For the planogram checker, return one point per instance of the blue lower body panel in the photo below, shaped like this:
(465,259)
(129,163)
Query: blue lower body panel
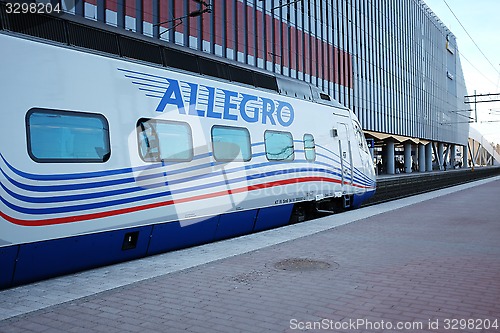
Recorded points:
(358,199)
(46,259)
(273,217)
(235,224)
(176,235)
(8,257)
(27,263)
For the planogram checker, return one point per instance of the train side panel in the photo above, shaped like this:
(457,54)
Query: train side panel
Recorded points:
(127,201)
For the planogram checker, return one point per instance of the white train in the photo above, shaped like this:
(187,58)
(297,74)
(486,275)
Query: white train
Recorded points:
(105,159)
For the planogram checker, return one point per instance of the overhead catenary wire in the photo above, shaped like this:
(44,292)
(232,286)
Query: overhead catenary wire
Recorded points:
(472,39)
(472,65)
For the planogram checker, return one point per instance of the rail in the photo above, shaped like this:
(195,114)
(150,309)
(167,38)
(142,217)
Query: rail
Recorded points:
(396,187)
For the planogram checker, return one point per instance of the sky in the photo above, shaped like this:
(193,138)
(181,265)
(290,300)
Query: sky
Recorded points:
(481,21)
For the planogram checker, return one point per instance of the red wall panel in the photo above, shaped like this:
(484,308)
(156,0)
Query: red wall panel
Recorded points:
(331,63)
(300,51)
(217,12)
(307,53)
(341,67)
(130,8)
(336,65)
(287,49)
(110,4)
(277,41)
(193,21)
(230,25)
(178,12)
(314,60)
(250,31)
(205,31)
(349,77)
(325,64)
(269,39)
(260,35)
(241,28)
(164,15)
(147,9)
(293,48)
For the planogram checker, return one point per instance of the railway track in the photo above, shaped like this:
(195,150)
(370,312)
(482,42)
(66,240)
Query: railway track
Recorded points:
(400,186)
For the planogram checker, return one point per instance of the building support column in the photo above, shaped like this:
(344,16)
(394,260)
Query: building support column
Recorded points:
(390,157)
(440,155)
(421,157)
(465,156)
(453,156)
(428,157)
(408,160)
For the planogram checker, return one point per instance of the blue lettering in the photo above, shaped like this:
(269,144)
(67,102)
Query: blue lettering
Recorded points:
(211,102)
(243,111)
(228,105)
(267,110)
(172,96)
(192,101)
(287,107)
(251,108)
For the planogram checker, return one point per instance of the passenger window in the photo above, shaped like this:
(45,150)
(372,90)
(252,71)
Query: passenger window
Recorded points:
(279,146)
(55,136)
(309,147)
(162,140)
(231,144)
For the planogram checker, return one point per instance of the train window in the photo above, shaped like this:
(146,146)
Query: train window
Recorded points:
(56,136)
(279,146)
(162,140)
(231,144)
(309,147)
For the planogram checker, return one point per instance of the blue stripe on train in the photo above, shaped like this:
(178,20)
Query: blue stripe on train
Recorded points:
(359,175)
(110,203)
(94,195)
(162,174)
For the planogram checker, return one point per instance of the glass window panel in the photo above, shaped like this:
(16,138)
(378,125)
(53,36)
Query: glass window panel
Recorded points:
(66,136)
(279,146)
(309,147)
(231,144)
(161,140)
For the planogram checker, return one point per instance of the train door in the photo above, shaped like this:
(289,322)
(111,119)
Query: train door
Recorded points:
(345,155)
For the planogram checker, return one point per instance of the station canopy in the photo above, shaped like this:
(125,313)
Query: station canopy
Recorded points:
(396,138)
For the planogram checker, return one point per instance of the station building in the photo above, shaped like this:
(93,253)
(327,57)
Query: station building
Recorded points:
(393,62)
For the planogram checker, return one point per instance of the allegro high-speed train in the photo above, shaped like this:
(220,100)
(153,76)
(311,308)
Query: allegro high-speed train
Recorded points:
(105,159)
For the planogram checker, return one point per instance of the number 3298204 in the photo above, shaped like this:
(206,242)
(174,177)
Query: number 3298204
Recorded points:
(32,8)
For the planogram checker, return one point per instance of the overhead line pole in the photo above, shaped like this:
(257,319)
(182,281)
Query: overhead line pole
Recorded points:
(480,101)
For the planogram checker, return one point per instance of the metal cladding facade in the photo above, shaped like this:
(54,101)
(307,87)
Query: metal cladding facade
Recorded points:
(391,61)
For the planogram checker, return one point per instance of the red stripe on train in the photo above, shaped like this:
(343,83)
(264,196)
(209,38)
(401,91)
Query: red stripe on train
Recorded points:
(121,211)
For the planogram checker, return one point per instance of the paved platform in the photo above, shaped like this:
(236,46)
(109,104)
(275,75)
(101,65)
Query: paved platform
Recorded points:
(429,263)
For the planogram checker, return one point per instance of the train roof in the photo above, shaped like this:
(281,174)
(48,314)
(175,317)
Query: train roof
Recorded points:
(92,36)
